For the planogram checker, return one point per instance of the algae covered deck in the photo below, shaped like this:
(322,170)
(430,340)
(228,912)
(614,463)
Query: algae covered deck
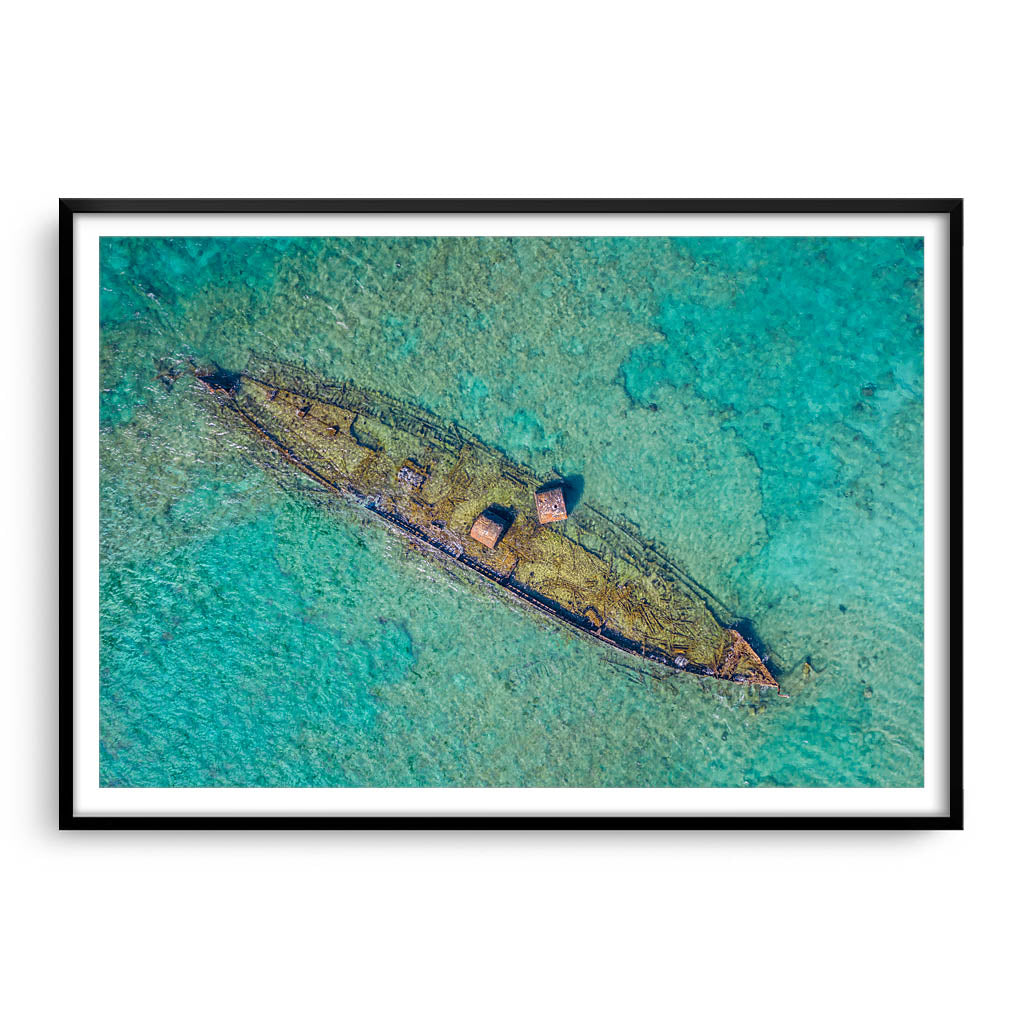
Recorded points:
(453,495)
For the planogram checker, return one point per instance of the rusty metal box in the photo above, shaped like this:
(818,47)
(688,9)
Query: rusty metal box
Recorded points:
(551,505)
(488,528)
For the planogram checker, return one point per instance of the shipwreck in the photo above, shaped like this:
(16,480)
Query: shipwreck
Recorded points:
(452,496)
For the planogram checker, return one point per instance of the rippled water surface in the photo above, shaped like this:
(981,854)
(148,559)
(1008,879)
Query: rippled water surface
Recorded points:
(754,405)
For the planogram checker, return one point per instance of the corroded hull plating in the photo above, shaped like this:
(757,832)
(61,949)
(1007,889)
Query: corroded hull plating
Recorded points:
(430,481)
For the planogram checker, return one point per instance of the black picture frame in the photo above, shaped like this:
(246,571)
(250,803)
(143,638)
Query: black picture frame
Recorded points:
(951,208)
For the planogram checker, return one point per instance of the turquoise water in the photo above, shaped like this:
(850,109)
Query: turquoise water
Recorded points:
(754,404)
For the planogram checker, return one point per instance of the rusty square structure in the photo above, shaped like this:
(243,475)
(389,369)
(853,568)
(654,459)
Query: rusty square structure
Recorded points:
(488,528)
(550,505)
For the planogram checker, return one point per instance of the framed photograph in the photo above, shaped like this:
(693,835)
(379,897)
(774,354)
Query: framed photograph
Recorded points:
(511,514)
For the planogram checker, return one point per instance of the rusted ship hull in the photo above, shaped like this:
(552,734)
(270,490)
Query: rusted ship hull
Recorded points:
(431,482)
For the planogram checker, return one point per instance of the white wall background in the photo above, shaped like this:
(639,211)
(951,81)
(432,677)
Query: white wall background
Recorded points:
(529,99)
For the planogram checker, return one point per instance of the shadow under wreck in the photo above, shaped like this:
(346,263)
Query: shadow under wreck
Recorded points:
(454,497)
